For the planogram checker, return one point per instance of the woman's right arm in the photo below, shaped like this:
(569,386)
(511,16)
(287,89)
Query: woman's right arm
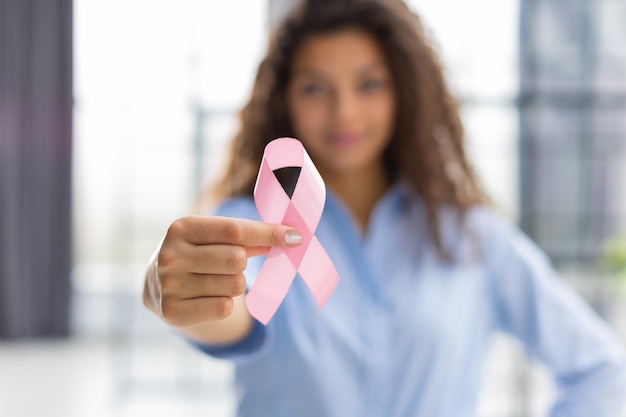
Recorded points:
(195,279)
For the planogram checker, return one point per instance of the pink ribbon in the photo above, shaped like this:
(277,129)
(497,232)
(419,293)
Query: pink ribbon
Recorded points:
(298,203)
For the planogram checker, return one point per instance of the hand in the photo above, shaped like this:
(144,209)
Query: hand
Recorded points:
(200,266)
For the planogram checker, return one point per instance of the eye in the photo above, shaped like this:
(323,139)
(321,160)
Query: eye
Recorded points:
(373,84)
(314,89)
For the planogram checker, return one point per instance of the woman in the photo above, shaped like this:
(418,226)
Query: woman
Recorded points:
(427,270)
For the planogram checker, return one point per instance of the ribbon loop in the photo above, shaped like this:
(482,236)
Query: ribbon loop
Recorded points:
(290,191)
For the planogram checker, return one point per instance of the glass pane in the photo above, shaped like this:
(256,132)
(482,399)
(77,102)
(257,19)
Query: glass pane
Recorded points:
(478,42)
(610,60)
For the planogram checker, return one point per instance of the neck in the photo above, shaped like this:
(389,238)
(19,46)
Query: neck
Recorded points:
(360,191)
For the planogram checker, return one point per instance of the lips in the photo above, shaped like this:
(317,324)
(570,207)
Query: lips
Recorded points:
(343,139)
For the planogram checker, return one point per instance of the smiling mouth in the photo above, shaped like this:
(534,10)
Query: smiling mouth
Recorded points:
(343,139)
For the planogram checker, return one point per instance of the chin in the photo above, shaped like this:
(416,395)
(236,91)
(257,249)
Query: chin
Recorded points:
(346,167)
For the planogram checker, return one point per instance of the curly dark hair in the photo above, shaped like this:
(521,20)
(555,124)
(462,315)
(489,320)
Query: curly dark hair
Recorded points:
(427,148)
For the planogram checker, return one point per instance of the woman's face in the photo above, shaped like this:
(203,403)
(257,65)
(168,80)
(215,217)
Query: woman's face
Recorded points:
(341,100)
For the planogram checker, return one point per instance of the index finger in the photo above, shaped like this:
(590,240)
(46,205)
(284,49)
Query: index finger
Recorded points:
(242,232)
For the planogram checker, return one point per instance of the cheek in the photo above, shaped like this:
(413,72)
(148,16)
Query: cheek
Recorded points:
(384,113)
(307,120)
(390,118)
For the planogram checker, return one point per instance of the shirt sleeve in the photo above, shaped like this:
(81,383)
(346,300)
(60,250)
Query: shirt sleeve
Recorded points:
(556,326)
(246,350)
(260,336)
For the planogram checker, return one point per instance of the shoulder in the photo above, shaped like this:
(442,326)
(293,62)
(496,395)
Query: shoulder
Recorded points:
(490,223)
(502,241)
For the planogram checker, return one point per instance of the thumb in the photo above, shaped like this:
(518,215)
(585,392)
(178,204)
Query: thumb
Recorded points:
(282,236)
(291,236)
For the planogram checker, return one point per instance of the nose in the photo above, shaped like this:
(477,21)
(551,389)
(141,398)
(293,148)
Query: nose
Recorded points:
(346,106)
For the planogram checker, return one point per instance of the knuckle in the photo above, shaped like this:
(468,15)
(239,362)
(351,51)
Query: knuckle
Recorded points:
(170,311)
(178,227)
(170,249)
(168,270)
(223,307)
(165,258)
(237,258)
(234,232)
(276,237)
(168,286)
(239,284)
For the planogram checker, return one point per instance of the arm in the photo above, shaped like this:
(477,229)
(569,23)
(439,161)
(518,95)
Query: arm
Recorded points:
(557,327)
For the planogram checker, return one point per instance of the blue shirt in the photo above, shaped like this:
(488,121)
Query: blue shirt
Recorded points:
(405,333)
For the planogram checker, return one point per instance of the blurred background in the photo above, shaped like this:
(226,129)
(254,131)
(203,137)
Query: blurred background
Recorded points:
(114,117)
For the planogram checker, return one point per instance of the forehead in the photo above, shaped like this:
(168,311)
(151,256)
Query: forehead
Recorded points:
(345,48)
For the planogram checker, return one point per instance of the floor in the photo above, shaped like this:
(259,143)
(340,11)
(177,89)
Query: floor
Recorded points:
(103,372)
(123,362)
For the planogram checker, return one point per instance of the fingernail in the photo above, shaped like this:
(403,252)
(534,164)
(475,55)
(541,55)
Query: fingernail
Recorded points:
(293,237)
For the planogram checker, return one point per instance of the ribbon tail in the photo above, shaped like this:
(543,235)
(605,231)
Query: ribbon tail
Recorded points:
(318,272)
(271,286)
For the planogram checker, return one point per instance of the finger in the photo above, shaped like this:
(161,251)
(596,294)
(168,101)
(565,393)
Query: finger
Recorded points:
(196,311)
(250,233)
(243,232)
(257,250)
(197,286)
(215,259)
